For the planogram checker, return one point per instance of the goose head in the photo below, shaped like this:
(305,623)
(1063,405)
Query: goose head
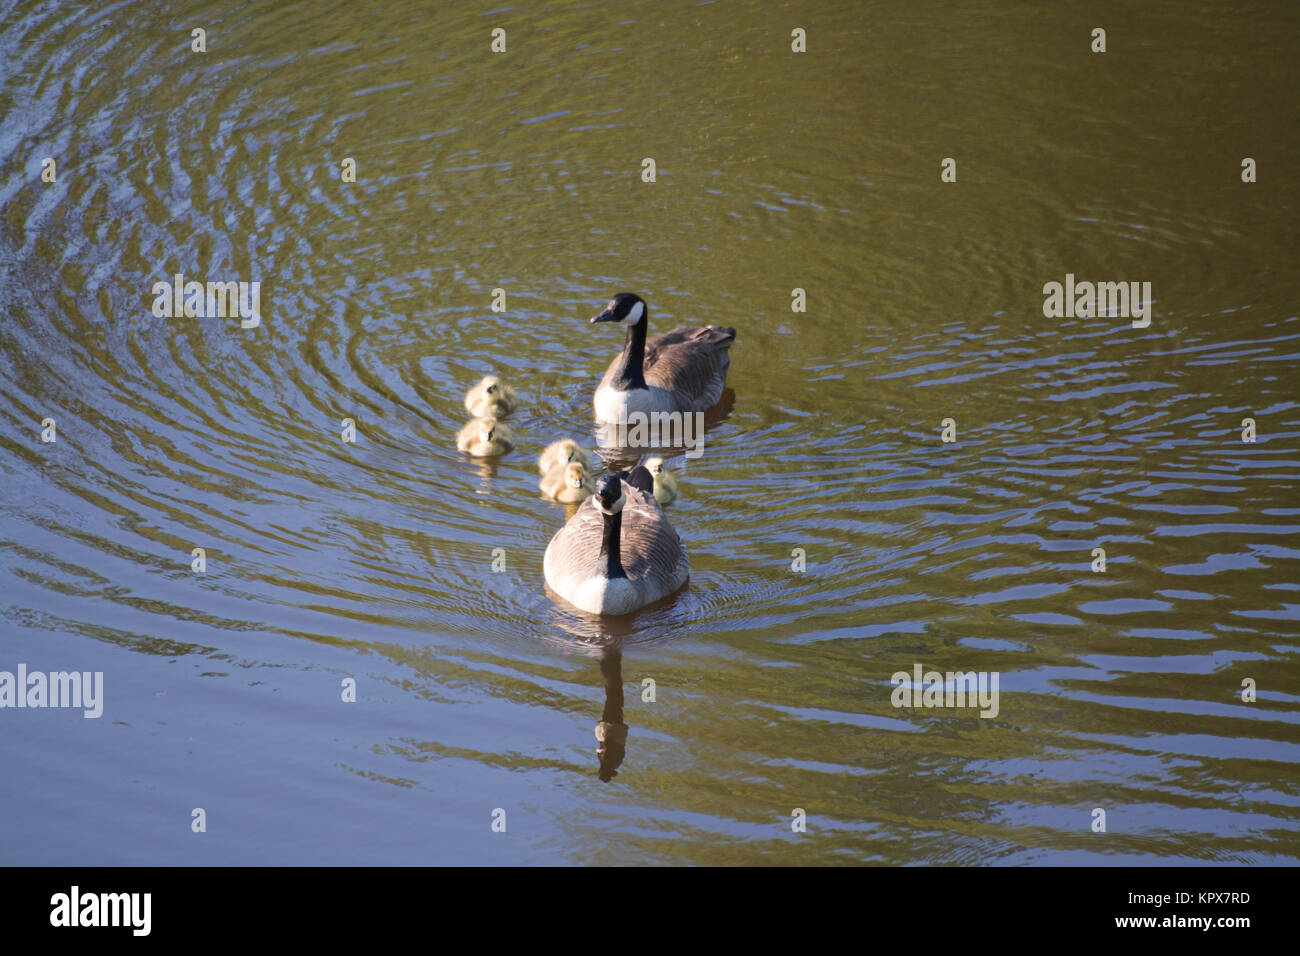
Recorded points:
(626,307)
(609,495)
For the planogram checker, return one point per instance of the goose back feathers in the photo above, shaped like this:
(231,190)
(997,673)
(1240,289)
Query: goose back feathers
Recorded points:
(618,552)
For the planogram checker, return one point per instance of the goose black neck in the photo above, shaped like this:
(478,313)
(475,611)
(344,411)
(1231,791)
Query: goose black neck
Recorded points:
(629,372)
(610,562)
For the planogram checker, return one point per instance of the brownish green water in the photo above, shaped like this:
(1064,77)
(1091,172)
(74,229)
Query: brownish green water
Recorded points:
(776,170)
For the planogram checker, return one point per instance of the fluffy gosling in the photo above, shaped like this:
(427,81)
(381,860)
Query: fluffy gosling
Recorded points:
(665,480)
(568,482)
(485,438)
(490,398)
(559,452)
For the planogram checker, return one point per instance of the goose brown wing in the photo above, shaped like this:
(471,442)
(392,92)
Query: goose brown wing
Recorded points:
(571,556)
(650,545)
(690,362)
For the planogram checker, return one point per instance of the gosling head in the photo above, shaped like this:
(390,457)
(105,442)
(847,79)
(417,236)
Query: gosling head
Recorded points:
(625,307)
(655,466)
(575,474)
(609,494)
(487,431)
(491,385)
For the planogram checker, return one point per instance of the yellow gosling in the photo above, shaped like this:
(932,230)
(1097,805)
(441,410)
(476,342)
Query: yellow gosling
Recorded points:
(490,398)
(485,438)
(665,480)
(568,482)
(562,451)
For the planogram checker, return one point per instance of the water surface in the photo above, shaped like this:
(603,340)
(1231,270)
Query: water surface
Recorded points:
(522,171)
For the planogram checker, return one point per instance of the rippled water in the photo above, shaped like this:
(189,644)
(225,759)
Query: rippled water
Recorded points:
(522,171)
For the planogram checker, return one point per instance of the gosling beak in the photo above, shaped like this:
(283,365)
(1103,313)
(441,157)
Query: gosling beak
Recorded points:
(606,316)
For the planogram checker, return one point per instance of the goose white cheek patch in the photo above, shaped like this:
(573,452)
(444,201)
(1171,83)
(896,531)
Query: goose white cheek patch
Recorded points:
(634,316)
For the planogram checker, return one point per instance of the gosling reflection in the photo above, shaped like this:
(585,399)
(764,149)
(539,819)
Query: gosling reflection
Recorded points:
(611,732)
(486,469)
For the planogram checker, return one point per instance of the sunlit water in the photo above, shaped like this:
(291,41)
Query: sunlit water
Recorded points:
(522,171)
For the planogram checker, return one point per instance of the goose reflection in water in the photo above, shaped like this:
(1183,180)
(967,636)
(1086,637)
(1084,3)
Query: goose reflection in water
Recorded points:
(619,455)
(611,732)
(605,638)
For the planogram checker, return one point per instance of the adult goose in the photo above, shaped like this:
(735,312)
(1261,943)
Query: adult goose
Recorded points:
(680,371)
(618,552)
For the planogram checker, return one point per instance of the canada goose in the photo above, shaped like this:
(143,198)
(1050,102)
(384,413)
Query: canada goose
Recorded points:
(665,480)
(559,452)
(490,398)
(485,438)
(567,482)
(680,371)
(618,552)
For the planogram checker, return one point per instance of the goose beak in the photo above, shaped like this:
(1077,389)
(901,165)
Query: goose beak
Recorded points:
(606,316)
